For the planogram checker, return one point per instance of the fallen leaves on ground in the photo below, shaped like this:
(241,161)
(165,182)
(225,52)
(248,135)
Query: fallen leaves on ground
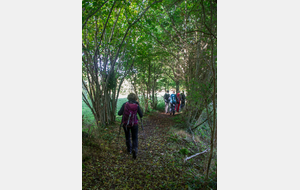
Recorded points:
(159,164)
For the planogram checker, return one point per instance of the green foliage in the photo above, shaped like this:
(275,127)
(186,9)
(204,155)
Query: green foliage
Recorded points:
(184,151)
(178,120)
(153,56)
(112,82)
(161,104)
(173,138)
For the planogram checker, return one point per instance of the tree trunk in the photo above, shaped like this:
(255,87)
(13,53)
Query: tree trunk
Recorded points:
(135,91)
(154,102)
(214,110)
(146,101)
(177,86)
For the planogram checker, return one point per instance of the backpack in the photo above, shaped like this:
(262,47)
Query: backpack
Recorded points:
(166,97)
(130,114)
(173,99)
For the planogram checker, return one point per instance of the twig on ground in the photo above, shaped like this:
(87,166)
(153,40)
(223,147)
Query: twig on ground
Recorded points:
(195,155)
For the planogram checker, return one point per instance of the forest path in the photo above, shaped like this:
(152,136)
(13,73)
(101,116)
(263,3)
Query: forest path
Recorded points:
(154,138)
(158,164)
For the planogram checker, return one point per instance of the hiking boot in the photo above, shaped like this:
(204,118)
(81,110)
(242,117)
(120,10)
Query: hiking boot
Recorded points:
(134,153)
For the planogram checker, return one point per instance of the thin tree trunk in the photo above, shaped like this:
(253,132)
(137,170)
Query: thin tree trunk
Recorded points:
(145,99)
(177,86)
(214,111)
(135,91)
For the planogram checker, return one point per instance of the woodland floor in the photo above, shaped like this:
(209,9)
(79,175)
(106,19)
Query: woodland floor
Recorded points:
(159,164)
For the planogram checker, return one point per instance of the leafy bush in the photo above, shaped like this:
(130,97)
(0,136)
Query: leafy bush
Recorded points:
(160,104)
(184,151)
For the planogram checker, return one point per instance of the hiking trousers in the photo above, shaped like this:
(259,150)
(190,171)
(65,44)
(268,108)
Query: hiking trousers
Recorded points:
(182,105)
(177,106)
(166,107)
(134,136)
(172,108)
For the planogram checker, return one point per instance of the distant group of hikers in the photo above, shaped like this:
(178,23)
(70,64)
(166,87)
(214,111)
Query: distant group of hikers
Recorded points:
(130,109)
(175,101)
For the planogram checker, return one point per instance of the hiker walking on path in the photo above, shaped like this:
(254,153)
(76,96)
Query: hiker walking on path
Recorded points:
(129,111)
(167,101)
(178,96)
(173,102)
(182,100)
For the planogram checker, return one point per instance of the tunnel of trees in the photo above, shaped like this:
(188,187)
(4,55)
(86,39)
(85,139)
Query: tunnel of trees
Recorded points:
(156,45)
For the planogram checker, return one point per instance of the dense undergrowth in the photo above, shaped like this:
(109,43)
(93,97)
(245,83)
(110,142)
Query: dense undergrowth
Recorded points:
(160,163)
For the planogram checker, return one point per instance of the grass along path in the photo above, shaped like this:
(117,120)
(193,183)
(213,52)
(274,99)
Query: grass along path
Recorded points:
(159,165)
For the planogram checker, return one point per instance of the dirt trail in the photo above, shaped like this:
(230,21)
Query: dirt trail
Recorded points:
(155,167)
(156,127)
